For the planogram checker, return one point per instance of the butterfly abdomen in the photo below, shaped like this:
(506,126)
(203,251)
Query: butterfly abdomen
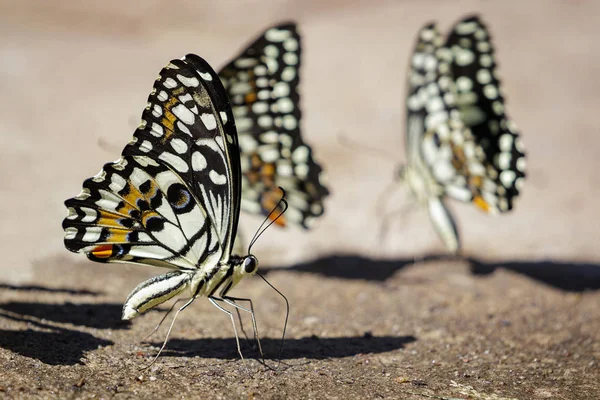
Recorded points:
(155,291)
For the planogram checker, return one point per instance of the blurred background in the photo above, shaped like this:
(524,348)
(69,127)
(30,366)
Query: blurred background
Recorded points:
(74,78)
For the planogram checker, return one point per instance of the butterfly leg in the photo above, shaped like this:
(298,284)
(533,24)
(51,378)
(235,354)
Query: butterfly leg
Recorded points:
(387,217)
(232,301)
(162,320)
(237,311)
(183,307)
(384,197)
(214,301)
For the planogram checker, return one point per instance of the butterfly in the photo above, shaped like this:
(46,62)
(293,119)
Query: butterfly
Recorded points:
(262,85)
(172,199)
(460,142)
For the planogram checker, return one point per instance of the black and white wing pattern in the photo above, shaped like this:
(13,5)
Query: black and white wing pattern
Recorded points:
(451,148)
(481,105)
(434,134)
(172,200)
(262,84)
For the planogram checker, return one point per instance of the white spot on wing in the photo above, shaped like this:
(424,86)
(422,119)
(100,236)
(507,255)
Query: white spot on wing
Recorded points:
(464,57)
(184,114)
(507,178)
(290,44)
(179,145)
(490,91)
(175,161)
(288,74)
(217,178)
(506,142)
(301,171)
(484,77)
(300,155)
(206,76)
(181,126)
(290,122)
(198,161)
(90,214)
(290,58)
(223,116)
(146,146)
(189,82)
(92,234)
(277,35)
(170,83)
(209,121)
(157,130)
(70,233)
(281,89)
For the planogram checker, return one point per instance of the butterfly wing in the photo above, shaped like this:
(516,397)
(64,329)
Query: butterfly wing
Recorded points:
(262,83)
(432,123)
(481,105)
(172,199)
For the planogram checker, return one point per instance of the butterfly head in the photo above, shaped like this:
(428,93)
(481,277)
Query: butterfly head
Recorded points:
(243,267)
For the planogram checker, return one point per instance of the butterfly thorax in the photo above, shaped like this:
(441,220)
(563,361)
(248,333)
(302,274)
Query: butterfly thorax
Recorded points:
(223,276)
(420,181)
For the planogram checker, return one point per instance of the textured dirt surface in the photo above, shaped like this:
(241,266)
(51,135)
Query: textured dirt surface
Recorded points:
(517,318)
(384,330)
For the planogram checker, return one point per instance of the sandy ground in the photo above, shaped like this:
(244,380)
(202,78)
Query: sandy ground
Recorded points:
(517,318)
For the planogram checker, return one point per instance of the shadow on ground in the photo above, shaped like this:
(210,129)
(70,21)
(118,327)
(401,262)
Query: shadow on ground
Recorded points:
(99,316)
(49,344)
(57,345)
(568,276)
(36,288)
(309,347)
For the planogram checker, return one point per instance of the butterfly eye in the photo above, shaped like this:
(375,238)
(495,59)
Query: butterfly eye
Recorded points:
(250,264)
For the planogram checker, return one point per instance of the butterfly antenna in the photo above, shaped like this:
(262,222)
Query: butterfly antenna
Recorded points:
(287,313)
(284,205)
(353,145)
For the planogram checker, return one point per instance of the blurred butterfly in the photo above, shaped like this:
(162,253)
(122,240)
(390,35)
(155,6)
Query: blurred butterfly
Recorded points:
(460,142)
(262,84)
(173,198)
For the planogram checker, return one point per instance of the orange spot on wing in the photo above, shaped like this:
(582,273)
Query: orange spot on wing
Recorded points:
(169,118)
(481,203)
(108,222)
(103,251)
(127,208)
(250,97)
(476,181)
(268,170)
(131,198)
(267,173)
(117,236)
(459,160)
(256,161)
(107,218)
